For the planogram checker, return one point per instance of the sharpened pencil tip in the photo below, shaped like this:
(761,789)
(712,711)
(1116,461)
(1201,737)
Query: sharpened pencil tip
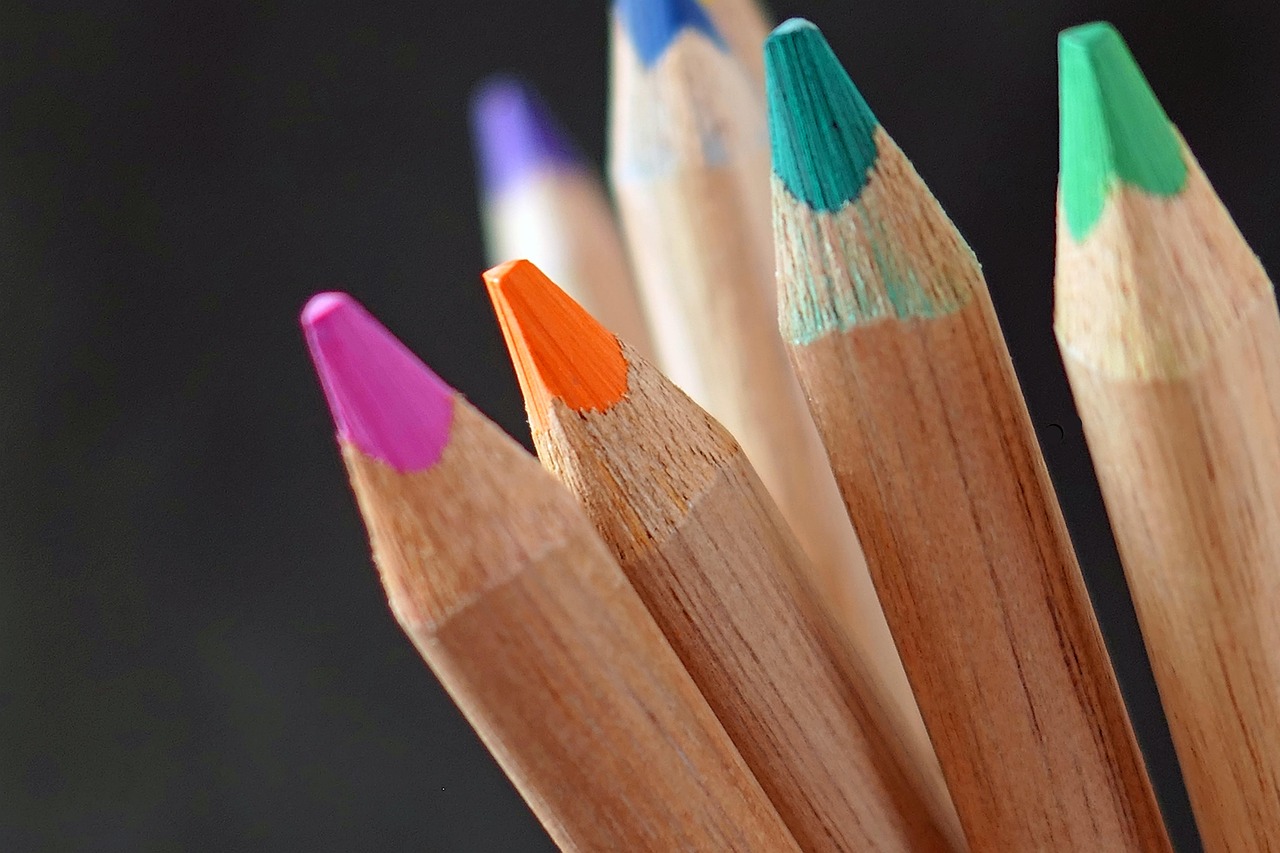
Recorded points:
(1113,128)
(384,401)
(516,134)
(654,24)
(559,350)
(822,131)
(795,26)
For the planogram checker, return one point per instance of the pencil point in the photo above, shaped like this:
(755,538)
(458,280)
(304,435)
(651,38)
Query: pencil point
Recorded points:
(821,129)
(516,134)
(558,349)
(654,24)
(384,401)
(1113,128)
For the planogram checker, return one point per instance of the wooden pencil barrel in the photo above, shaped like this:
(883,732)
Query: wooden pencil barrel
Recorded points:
(1171,339)
(537,635)
(942,473)
(1191,490)
(705,547)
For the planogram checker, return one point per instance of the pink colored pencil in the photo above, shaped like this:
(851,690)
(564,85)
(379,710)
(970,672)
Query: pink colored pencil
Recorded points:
(497,576)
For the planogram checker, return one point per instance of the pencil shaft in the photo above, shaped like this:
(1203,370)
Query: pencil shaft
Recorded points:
(737,367)
(745,25)
(892,331)
(1180,401)
(694,205)
(935,453)
(727,583)
(553,658)
(1168,328)
(1189,472)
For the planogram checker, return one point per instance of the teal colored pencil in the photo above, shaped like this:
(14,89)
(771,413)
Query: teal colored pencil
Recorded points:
(689,165)
(892,333)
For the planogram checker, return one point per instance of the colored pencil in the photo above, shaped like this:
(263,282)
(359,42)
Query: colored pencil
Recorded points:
(891,330)
(674,497)
(540,200)
(745,25)
(1168,327)
(499,580)
(689,162)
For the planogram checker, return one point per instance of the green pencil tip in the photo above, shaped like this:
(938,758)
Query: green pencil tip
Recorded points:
(1113,128)
(822,131)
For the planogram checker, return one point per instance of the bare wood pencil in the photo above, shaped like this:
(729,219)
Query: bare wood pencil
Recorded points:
(1168,327)
(893,335)
(692,526)
(745,25)
(689,165)
(508,593)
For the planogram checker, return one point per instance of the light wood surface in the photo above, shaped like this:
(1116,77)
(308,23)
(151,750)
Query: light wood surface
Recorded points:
(689,166)
(510,596)
(1169,331)
(745,25)
(674,497)
(930,440)
(693,527)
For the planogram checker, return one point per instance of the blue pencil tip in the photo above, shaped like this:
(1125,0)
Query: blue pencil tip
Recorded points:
(515,134)
(654,24)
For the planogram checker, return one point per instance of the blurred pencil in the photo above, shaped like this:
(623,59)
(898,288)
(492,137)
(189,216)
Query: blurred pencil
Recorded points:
(745,25)
(694,529)
(893,335)
(689,166)
(1168,327)
(541,200)
(496,575)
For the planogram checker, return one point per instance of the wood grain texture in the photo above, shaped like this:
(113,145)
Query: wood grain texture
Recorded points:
(510,596)
(689,166)
(745,25)
(930,440)
(674,497)
(1169,331)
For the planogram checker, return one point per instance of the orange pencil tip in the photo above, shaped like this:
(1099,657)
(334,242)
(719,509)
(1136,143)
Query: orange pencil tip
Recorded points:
(560,351)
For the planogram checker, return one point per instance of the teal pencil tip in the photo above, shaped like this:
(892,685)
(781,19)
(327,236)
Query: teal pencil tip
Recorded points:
(795,25)
(654,24)
(821,129)
(1113,128)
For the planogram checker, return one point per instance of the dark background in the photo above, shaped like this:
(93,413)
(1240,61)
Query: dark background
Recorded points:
(195,652)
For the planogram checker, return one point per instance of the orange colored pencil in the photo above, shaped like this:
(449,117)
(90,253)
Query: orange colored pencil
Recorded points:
(694,529)
(512,599)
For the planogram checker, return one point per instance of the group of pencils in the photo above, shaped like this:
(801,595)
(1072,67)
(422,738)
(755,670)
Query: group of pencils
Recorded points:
(666,629)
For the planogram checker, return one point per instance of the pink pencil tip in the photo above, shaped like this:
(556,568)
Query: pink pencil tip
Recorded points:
(322,303)
(384,400)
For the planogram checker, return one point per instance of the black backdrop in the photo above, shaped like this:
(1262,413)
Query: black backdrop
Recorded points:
(194,649)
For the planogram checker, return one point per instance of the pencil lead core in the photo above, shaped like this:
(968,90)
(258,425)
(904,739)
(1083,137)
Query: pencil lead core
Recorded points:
(1113,128)
(654,24)
(384,401)
(821,129)
(558,349)
(516,134)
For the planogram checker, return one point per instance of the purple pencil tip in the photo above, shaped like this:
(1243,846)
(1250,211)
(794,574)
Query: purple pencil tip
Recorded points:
(385,402)
(516,134)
